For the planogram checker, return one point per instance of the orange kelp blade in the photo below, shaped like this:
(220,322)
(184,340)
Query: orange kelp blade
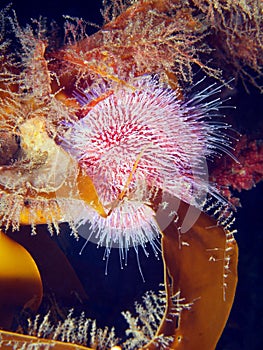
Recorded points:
(96,56)
(9,340)
(85,190)
(58,276)
(47,186)
(200,277)
(20,282)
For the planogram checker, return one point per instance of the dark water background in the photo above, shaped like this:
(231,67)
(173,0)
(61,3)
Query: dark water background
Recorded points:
(122,287)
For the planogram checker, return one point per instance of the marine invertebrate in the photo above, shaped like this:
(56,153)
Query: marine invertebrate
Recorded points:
(29,111)
(243,175)
(204,247)
(51,96)
(88,333)
(136,140)
(236,34)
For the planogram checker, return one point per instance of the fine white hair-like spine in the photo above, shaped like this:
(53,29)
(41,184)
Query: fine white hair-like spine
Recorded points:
(140,139)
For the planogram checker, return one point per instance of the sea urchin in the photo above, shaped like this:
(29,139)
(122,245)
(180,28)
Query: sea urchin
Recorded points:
(137,139)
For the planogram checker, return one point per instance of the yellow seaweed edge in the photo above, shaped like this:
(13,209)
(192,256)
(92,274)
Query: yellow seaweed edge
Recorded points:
(9,339)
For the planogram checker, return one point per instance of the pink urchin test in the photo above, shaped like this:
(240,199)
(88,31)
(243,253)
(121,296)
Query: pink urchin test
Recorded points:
(140,138)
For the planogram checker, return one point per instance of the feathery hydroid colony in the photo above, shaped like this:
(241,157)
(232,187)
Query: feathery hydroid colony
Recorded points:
(138,136)
(133,137)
